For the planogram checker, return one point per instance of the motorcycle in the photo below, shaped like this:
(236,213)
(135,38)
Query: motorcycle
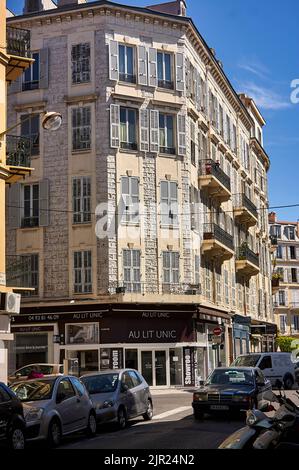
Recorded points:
(262,431)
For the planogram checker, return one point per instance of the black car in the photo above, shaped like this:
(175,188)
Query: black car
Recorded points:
(231,390)
(12,423)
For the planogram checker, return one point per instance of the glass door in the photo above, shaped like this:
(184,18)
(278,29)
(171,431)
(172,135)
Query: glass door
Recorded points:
(160,368)
(147,366)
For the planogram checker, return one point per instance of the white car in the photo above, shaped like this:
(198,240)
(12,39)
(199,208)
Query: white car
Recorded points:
(275,366)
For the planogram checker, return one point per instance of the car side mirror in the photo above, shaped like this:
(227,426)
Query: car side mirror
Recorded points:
(124,388)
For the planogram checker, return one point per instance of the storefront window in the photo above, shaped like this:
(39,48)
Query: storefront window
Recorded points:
(82,333)
(176,370)
(31,349)
(131,359)
(147,366)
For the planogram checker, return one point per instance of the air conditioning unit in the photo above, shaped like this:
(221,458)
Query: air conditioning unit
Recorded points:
(10,303)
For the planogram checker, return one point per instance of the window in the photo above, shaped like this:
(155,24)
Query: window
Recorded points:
(82,333)
(226,286)
(128,138)
(275,231)
(266,363)
(82,272)
(193,144)
(169,203)
(282,298)
(294,275)
(166,133)
(208,280)
(295,323)
(81,200)
(65,390)
(78,386)
(283,323)
(290,233)
(30,206)
(126,64)
(292,252)
(81,63)
(81,123)
(135,379)
(30,129)
(165,71)
(132,271)
(32,74)
(279,253)
(194,208)
(171,261)
(127,380)
(228,133)
(30,274)
(130,199)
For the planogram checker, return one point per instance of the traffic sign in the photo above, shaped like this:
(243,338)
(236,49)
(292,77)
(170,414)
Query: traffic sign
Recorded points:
(217,331)
(217,339)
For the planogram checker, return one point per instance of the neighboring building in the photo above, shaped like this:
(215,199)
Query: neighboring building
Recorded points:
(150,119)
(285,238)
(14,163)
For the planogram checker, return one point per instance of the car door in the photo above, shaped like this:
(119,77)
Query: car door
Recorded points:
(266,367)
(83,401)
(139,393)
(5,412)
(127,396)
(67,405)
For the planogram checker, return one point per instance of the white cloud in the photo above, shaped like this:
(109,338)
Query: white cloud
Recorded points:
(255,68)
(265,98)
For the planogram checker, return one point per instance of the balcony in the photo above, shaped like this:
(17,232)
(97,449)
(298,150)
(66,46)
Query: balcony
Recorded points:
(217,242)
(245,210)
(276,280)
(127,78)
(213,180)
(17,269)
(18,157)
(18,50)
(142,288)
(247,262)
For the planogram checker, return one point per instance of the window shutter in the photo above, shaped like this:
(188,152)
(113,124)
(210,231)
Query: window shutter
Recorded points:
(153,75)
(14,209)
(144,130)
(180,72)
(154,123)
(198,91)
(44,68)
(142,65)
(181,122)
(44,214)
(114,125)
(297,252)
(113,60)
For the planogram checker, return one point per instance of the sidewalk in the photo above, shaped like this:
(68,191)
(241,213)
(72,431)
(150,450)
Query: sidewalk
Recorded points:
(171,391)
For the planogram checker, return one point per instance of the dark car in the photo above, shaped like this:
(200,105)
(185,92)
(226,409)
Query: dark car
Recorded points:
(297,373)
(12,423)
(230,390)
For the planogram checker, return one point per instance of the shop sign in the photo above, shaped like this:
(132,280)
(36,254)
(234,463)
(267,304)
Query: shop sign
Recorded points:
(111,359)
(31,329)
(189,379)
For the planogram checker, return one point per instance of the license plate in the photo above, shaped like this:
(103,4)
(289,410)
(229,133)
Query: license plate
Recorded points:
(219,407)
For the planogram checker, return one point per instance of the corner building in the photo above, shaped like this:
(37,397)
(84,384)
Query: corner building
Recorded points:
(153,128)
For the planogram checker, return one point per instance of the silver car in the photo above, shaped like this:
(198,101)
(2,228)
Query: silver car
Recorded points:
(119,395)
(55,407)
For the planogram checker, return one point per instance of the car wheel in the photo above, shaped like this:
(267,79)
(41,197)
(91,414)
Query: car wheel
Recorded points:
(54,433)
(17,438)
(148,415)
(288,382)
(198,415)
(91,429)
(122,420)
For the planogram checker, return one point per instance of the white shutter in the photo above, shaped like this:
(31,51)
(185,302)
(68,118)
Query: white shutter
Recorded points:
(297,252)
(113,60)
(154,124)
(142,65)
(144,130)
(114,125)
(44,214)
(44,68)
(181,124)
(180,72)
(153,72)
(198,90)
(14,209)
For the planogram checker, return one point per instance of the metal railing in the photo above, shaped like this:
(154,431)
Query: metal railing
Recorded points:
(18,41)
(245,253)
(17,268)
(274,240)
(168,85)
(241,200)
(18,151)
(154,288)
(209,167)
(127,78)
(129,145)
(213,231)
(28,222)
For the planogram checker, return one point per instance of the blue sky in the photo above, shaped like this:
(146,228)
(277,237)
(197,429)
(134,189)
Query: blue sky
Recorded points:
(259,47)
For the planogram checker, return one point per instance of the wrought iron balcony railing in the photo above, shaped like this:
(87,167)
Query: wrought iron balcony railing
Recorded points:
(18,42)
(274,240)
(128,78)
(241,200)
(213,231)
(18,151)
(246,254)
(210,167)
(151,288)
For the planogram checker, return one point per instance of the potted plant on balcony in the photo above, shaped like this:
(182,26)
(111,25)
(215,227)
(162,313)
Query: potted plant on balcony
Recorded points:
(243,250)
(276,278)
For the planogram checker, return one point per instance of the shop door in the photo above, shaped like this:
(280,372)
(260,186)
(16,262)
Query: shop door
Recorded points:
(147,366)
(160,368)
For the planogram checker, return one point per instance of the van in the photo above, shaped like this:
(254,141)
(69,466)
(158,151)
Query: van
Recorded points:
(275,366)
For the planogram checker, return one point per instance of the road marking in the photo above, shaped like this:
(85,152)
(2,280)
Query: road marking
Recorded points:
(172,412)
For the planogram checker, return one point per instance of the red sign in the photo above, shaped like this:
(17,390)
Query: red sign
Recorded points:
(217,331)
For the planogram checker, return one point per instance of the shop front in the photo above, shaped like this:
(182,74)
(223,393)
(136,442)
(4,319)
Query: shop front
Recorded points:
(241,335)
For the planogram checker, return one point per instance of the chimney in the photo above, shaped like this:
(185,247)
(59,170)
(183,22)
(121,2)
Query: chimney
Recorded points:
(63,3)
(272,218)
(33,6)
(178,8)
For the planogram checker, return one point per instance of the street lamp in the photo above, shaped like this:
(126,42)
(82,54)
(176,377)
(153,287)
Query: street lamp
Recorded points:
(51,121)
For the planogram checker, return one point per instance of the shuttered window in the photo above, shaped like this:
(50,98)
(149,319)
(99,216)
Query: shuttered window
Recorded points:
(130,199)
(31,205)
(82,272)
(31,75)
(165,70)
(81,200)
(30,129)
(171,267)
(126,63)
(166,126)
(81,63)
(30,274)
(128,134)
(169,203)
(132,270)
(193,142)
(81,127)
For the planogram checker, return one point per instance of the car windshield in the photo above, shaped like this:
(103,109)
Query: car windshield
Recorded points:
(250,360)
(34,390)
(104,383)
(231,377)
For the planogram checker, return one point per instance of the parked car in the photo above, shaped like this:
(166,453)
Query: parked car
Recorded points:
(119,395)
(55,407)
(12,423)
(45,369)
(275,366)
(231,390)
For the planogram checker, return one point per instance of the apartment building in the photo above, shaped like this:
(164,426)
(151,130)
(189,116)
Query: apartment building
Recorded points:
(145,219)
(14,59)
(285,239)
